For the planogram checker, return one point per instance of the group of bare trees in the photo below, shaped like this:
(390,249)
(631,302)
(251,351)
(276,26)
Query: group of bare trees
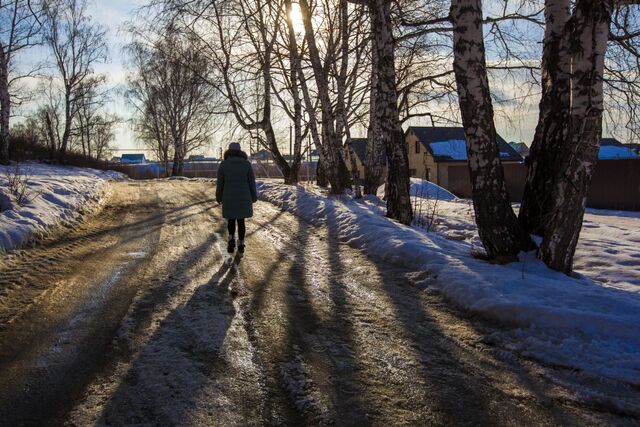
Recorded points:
(69,95)
(175,106)
(374,64)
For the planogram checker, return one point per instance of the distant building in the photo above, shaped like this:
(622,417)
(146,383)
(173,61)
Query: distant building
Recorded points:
(359,146)
(521,148)
(612,149)
(133,159)
(196,158)
(433,149)
(262,155)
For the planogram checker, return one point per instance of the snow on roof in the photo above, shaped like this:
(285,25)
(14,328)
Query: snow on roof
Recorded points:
(456,149)
(609,152)
(430,135)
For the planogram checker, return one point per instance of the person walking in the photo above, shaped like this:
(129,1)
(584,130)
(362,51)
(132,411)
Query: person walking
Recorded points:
(236,190)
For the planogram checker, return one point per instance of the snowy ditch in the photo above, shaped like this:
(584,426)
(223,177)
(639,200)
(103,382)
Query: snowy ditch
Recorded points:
(576,322)
(35,199)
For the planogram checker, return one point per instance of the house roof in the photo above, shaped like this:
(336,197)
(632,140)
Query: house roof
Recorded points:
(132,157)
(454,135)
(610,141)
(360,147)
(611,152)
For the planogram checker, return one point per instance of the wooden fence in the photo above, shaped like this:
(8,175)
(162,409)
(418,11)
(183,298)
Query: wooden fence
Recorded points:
(615,184)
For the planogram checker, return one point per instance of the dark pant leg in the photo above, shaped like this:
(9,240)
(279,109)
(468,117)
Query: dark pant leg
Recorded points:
(231,227)
(242,230)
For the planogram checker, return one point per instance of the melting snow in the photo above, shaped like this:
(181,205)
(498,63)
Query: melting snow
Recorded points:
(56,195)
(591,323)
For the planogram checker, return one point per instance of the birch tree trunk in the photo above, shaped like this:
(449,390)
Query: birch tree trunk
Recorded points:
(397,188)
(498,226)
(5,112)
(375,154)
(68,119)
(579,154)
(552,128)
(333,157)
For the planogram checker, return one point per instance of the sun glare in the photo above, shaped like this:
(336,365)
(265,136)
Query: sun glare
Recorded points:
(296,18)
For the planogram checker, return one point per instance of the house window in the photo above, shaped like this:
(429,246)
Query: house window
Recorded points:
(412,172)
(428,174)
(417,147)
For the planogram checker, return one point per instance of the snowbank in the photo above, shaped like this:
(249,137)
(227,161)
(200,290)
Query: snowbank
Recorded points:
(422,188)
(55,196)
(575,322)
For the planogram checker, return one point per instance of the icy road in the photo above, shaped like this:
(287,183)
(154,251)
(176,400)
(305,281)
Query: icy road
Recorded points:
(133,318)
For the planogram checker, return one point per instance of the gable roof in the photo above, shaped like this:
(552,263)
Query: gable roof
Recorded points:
(610,141)
(438,134)
(360,147)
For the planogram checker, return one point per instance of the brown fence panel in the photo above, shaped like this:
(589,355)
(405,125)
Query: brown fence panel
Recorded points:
(616,185)
(459,180)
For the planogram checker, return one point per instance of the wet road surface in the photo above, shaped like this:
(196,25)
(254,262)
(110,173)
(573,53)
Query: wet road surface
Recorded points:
(136,317)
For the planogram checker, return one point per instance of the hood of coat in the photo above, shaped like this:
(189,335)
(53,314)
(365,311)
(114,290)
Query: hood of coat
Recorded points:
(235,153)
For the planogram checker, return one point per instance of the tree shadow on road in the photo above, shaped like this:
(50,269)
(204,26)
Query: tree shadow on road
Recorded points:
(166,380)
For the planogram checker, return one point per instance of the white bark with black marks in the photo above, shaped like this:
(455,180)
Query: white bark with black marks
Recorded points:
(579,153)
(397,188)
(553,119)
(497,224)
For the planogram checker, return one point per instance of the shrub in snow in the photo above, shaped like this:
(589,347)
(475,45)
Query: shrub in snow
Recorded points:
(18,184)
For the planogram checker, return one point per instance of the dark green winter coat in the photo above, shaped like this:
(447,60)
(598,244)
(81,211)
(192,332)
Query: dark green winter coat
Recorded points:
(236,186)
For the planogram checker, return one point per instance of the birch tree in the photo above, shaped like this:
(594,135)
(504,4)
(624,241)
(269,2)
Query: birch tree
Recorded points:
(77,44)
(330,148)
(551,130)
(589,33)
(19,31)
(170,94)
(498,226)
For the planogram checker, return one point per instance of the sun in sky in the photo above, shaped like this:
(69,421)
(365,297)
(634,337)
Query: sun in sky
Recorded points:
(296,18)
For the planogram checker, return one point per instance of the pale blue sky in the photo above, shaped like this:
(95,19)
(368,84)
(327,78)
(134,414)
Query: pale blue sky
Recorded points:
(114,13)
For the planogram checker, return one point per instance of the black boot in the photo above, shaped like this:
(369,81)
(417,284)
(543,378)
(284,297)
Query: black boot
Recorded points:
(241,246)
(231,246)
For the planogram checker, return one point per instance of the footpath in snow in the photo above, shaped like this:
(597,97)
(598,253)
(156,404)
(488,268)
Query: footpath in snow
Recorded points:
(55,196)
(576,322)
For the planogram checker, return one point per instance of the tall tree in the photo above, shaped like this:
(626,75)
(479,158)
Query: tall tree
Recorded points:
(170,93)
(551,130)
(498,226)
(77,45)
(19,30)
(578,153)
(386,104)
(330,148)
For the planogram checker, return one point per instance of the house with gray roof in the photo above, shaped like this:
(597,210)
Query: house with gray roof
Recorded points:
(433,149)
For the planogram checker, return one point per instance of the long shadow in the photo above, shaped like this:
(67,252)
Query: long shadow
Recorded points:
(54,391)
(458,393)
(165,380)
(138,226)
(348,393)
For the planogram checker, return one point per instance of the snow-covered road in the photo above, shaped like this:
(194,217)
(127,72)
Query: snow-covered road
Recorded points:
(133,318)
